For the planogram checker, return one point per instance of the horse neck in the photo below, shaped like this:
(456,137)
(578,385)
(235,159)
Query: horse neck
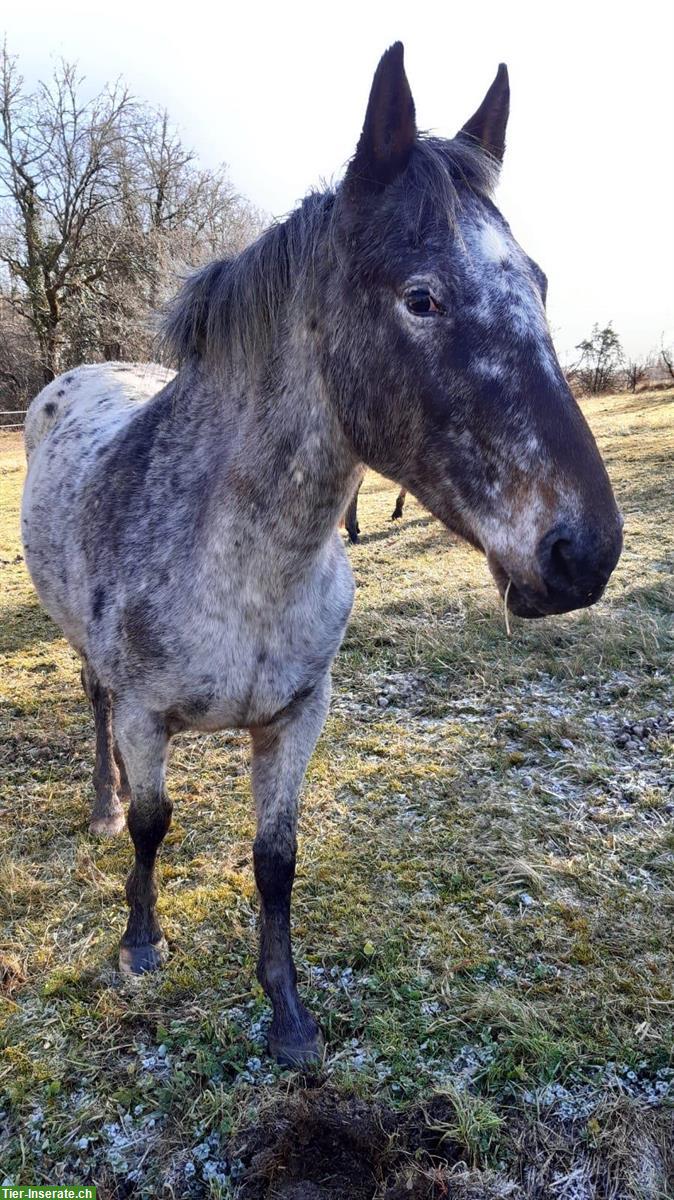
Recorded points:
(281,468)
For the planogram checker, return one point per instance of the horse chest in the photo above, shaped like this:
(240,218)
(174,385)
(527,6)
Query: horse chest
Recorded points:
(253,658)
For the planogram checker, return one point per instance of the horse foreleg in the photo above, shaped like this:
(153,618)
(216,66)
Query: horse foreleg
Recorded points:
(124,787)
(351,516)
(281,752)
(107,814)
(143,744)
(400,502)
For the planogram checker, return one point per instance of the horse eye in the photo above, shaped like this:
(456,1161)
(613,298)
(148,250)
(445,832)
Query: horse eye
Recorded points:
(420,302)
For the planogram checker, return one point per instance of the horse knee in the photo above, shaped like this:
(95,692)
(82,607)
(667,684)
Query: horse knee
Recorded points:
(148,823)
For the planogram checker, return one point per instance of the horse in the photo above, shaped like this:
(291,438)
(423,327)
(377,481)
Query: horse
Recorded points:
(350,518)
(183,530)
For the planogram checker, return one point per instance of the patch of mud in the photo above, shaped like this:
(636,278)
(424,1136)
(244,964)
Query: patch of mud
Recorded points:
(320,1146)
(315,1147)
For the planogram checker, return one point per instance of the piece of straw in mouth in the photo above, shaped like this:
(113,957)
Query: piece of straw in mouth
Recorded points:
(505,607)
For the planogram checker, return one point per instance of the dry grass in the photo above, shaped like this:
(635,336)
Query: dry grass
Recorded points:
(483,911)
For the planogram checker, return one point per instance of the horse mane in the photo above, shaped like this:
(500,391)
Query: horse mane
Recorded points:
(234,304)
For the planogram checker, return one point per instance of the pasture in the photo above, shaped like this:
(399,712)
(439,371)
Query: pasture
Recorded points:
(483,909)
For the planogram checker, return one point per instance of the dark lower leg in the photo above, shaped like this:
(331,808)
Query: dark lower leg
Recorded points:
(281,751)
(351,520)
(294,1036)
(400,502)
(107,814)
(143,946)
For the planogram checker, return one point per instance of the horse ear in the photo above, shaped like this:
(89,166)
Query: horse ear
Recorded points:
(389,131)
(488,125)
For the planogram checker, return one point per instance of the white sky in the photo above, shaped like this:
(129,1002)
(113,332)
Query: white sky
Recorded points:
(278,91)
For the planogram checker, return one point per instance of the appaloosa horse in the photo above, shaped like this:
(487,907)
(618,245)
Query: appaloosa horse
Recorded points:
(183,533)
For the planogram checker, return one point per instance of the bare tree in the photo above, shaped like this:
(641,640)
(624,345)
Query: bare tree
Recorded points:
(20,373)
(186,213)
(636,370)
(57,176)
(667,357)
(600,358)
(101,208)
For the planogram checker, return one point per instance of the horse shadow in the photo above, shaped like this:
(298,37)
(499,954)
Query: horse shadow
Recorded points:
(25,624)
(380,535)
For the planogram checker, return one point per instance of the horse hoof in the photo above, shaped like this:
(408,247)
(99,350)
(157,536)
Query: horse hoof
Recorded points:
(108,826)
(297,1054)
(138,960)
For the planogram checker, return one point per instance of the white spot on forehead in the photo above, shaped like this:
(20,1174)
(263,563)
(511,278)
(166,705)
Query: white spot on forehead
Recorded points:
(493,242)
(513,290)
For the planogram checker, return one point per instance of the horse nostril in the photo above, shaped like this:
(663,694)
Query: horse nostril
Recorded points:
(575,563)
(558,555)
(561,560)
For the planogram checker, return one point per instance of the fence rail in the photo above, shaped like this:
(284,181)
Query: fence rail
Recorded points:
(11,412)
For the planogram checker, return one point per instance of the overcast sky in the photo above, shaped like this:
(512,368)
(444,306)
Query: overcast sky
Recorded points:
(278,92)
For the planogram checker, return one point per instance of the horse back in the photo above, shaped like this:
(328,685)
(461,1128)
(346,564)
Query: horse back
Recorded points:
(91,403)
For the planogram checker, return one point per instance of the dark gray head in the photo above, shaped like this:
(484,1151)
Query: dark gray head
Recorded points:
(426,321)
(442,360)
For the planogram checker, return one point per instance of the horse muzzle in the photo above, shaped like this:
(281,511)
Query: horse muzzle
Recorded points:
(571,569)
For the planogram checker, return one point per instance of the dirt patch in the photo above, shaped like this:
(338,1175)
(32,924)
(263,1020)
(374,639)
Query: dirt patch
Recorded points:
(319,1146)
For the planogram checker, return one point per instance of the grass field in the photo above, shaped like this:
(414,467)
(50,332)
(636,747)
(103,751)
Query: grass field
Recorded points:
(483,912)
